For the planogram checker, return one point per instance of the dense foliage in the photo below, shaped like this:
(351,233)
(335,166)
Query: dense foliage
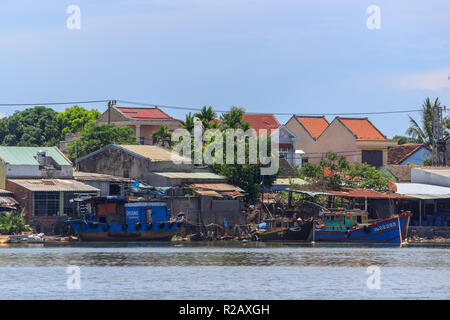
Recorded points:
(95,137)
(41,126)
(342,174)
(74,119)
(246,176)
(31,127)
(13,223)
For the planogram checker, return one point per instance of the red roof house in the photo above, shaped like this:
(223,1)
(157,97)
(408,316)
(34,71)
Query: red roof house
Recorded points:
(143,121)
(357,139)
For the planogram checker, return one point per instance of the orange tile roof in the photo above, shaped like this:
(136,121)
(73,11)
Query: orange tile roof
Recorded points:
(366,193)
(399,153)
(314,125)
(146,114)
(362,128)
(262,121)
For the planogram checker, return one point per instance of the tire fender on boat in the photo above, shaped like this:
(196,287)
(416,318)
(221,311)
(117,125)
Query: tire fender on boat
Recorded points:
(161,225)
(124,227)
(149,226)
(138,226)
(366,229)
(106,227)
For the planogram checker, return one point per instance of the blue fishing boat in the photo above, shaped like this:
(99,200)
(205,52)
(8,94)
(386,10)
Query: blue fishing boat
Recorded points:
(354,226)
(117,219)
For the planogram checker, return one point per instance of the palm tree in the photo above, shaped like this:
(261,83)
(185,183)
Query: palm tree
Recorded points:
(207,115)
(189,123)
(424,133)
(162,135)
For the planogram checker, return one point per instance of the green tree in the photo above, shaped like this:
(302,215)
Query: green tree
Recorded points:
(96,136)
(74,119)
(246,176)
(162,136)
(403,140)
(343,174)
(310,170)
(423,132)
(31,127)
(428,162)
(234,119)
(208,117)
(13,223)
(188,123)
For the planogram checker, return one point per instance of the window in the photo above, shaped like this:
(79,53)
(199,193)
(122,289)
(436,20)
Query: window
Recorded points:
(373,157)
(46,204)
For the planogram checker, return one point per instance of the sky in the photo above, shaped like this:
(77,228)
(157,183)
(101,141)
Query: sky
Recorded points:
(296,57)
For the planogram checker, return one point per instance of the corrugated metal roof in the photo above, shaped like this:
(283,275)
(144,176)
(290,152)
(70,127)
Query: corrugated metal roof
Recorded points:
(54,185)
(217,187)
(8,202)
(155,153)
(27,155)
(89,176)
(423,191)
(190,175)
(288,181)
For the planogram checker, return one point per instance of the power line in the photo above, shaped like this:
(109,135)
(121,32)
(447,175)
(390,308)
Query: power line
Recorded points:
(275,113)
(145,104)
(50,103)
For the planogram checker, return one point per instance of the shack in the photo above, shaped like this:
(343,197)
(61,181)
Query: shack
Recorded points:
(208,207)
(154,165)
(47,202)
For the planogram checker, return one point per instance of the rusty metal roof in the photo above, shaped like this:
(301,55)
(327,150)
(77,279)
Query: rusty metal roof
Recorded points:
(217,189)
(367,193)
(190,175)
(8,202)
(54,185)
(88,176)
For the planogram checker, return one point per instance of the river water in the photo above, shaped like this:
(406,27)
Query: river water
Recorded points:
(223,270)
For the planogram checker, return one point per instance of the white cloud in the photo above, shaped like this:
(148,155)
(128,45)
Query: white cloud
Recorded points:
(432,80)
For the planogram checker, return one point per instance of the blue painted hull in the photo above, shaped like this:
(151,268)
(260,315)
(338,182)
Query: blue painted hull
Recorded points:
(97,231)
(384,231)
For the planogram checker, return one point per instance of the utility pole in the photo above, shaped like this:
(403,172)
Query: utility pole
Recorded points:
(438,133)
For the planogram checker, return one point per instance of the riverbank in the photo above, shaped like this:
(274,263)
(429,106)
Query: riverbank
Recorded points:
(428,234)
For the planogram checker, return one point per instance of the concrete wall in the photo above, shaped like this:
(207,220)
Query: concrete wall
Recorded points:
(33,171)
(422,176)
(336,138)
(117,162)
(305,142)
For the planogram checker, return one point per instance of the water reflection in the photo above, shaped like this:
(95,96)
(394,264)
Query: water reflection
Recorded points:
(140,254)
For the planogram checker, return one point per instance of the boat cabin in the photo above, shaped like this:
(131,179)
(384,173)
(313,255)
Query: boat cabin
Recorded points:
(346,220)
(119,210)
(147,212)
(279,224)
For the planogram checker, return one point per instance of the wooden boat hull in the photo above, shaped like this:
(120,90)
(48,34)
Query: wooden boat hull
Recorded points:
(300,233)
(392,230)
(96,231)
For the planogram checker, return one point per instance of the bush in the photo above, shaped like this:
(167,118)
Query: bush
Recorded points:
(13,223)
